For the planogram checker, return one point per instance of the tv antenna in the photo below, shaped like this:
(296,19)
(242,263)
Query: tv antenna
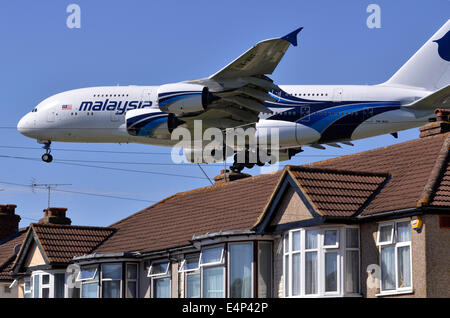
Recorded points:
(48,186)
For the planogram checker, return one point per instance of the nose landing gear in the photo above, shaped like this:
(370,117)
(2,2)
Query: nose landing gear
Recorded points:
(47,157)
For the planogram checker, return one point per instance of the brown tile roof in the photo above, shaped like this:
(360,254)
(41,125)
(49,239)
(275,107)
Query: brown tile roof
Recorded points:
(335,192)
(62,242)
(412,165)
(172,222)
(7,256)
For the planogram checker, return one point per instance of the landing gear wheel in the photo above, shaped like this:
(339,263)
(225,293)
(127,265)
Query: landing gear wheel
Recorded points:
(46,157)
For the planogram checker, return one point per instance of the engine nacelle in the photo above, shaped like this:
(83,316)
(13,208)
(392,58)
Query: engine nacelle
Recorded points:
(184,98)
(147,122)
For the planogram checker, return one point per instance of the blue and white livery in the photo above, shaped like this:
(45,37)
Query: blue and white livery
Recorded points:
(241,94)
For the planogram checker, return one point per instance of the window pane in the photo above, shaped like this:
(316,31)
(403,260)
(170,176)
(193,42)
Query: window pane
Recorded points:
(265,270)
(27,285)
(352,238)
(161,287)
(89,290)
(296,241)
(112,271)
(404,267)
(111,289)
(388,268)
(131,289)
(36,286)
(45,279)
(213,282)
(159,268)
(330,271)
(296,274)
(59,285)
(286,275)
(212,255)
(241,273)
(191,263)
(352,272)
(286,243)
(73,292)
(311,273)
(403,232)
(87,273)
(131,271)
(311,239)
(331,237)
(45,292)
(193,285)
(385,233)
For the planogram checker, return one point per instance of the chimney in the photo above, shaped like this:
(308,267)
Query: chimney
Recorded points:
(227,176)
(55,216)
(440,126)
(9,221)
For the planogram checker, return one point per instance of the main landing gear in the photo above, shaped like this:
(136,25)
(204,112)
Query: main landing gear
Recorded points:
(47,157)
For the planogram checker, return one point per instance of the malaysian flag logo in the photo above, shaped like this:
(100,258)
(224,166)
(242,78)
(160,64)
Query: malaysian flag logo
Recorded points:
(66,107)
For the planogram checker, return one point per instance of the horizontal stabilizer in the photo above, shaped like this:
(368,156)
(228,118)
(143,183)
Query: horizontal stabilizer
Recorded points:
(438,99)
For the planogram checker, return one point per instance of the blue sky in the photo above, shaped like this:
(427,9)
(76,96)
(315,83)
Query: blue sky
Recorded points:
(156,42)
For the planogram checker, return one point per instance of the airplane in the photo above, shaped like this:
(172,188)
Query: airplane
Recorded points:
(242,94)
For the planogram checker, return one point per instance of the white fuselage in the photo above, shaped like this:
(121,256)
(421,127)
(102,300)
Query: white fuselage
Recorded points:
(305,114)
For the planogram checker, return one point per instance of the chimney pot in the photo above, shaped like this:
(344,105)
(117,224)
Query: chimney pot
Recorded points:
(440,126)
(55,215)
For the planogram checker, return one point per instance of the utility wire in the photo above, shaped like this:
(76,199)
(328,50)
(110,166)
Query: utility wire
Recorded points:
(78,192)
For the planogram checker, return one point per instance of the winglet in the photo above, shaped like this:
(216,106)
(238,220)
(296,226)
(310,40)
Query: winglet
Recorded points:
(292,37)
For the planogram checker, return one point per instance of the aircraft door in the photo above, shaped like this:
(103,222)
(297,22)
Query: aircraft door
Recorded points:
(337,94)
(51,116)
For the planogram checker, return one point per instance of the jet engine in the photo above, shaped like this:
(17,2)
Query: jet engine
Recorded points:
(147,122)
(184,98)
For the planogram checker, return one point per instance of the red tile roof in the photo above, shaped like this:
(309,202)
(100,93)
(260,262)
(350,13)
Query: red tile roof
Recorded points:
(7,256)
(336,192)
(62,242)
(412,166)
(172,222)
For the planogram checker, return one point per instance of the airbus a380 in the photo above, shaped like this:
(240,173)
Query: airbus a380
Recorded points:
(241,94)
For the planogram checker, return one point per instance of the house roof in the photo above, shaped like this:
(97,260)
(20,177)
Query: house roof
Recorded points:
(336,192)
(418,169)
(60,243)
(173,222)
(8,255)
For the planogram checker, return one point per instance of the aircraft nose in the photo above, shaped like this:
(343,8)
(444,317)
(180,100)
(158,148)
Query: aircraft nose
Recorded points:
(24,126)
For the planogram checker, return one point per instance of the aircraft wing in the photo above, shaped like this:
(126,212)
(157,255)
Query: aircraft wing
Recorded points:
(242,86)
(438,99)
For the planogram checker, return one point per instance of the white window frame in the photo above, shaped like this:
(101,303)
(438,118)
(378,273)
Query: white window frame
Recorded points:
(396,245)
(222,258)
(386,224)
(321,250)
(111,279)
(89,281)
(167,272)
(30,290)
(136,280)
(183,263)
(79,279)
(50,285)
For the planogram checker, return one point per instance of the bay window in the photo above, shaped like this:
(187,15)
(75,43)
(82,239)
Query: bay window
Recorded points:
(394,242)
(88,277)
(241,270)
(213,272)
(131,281)
(315,262)
(45,285)
(111,280)
(159,272)
(190,266)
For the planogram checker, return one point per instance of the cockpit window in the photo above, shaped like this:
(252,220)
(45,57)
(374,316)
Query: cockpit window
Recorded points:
(34,110)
